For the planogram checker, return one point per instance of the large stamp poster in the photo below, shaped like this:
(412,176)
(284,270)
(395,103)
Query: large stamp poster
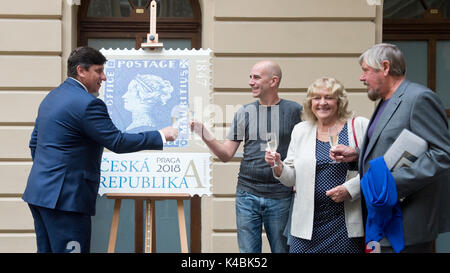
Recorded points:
(147,90)
(150,94)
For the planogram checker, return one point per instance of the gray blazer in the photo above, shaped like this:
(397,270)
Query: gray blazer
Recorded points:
(425,186)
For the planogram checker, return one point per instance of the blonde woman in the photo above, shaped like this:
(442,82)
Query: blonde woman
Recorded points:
(326,214)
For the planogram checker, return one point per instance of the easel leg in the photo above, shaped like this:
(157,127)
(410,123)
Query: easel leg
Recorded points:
(182,226)
(114,226)
(150,227)
(139,225)
(153,211)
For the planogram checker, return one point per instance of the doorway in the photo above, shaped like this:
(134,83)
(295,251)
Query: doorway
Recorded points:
(124,24)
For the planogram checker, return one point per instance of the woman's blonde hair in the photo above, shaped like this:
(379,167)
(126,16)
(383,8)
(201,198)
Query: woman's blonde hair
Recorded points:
(336,89)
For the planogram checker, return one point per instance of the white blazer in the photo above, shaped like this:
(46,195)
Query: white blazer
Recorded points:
(299,170)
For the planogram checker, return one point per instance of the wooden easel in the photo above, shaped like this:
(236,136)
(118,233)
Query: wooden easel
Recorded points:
(150,199)
(150,223)
(152,37)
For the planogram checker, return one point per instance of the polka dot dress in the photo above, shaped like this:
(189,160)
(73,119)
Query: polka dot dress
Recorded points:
(329,230)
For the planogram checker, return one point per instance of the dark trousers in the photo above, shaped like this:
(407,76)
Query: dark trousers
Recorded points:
(61,231)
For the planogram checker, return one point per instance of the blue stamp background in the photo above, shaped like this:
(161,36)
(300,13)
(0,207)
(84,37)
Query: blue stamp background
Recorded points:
(121,72)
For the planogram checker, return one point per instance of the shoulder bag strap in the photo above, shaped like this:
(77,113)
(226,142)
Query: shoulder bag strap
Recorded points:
(354,135)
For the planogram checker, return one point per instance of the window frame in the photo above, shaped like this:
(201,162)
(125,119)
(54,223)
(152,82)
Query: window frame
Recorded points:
(431,28)
(138,25)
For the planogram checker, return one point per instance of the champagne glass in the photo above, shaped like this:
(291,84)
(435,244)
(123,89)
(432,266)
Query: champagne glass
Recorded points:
(191,118)
(175,121)
(175,114)
(272,144)
(191,115)
(333,134)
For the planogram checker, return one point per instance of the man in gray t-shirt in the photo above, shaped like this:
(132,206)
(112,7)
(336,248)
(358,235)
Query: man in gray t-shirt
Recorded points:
(260,198)
(250,124)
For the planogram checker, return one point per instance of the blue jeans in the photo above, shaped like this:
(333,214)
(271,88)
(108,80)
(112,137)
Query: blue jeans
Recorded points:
(251,212)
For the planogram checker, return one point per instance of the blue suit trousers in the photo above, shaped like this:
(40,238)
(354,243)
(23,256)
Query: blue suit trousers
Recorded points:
(60,231)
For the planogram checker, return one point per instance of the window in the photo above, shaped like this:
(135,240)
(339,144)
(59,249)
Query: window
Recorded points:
(125,8)
(130,20)
(415,9)
(421,28)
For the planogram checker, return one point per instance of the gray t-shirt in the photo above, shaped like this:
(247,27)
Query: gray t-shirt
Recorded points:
(250,124)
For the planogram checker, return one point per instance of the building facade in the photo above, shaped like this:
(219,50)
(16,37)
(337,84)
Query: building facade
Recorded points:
(309,39)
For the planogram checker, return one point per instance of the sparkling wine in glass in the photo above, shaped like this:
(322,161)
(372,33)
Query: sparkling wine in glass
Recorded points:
(333,134)
(175,122)
(272,144)
(191,118)
(175,114)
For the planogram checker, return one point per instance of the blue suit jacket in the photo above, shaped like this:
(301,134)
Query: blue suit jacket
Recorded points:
(71,130)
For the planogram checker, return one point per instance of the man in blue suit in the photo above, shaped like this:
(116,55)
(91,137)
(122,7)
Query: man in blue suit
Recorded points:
(71,130)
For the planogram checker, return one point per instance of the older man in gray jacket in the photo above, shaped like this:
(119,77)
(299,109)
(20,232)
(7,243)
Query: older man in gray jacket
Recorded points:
(405,104)
(423,187)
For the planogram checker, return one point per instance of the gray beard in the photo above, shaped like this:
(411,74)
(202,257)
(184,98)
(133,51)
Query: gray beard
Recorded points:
(373,94)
